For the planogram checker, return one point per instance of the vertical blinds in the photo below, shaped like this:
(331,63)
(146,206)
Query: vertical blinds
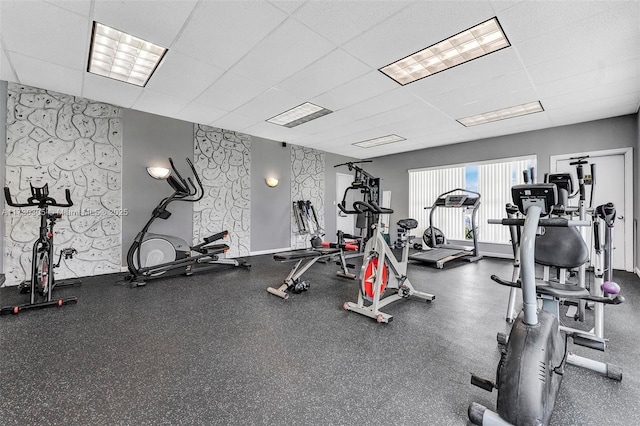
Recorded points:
(494,184)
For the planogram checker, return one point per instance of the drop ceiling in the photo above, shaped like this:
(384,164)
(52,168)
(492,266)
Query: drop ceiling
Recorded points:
(235,64)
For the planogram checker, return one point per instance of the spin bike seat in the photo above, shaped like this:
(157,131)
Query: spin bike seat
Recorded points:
(407,223)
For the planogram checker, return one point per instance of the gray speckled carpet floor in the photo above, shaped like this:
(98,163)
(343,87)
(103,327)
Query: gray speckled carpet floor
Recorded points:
(217,349)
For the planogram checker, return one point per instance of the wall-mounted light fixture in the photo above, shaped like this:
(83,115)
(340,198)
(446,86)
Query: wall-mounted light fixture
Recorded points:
(158,172)
(272,182)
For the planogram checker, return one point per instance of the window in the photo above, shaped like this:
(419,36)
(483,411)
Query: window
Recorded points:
(493,180)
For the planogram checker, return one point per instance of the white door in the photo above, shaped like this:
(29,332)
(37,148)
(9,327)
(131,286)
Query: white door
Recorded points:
(344,222)
(612,185)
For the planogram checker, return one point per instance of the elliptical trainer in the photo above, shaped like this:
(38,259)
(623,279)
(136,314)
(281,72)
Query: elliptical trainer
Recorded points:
(159,255)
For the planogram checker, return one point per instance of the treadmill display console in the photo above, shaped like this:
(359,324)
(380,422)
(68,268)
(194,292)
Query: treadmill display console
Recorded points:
(455,200)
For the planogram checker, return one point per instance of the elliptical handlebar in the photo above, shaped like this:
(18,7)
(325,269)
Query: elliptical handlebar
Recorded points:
(185,187)
(39,198)
(555,222)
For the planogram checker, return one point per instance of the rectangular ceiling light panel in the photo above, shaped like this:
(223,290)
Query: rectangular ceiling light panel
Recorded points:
(502,114)
(470,44)
(300,114)
(383,140)
(121,56)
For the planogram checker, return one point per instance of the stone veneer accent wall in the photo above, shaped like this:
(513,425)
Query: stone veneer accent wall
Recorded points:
(66,142)
(223,161)
(307,183)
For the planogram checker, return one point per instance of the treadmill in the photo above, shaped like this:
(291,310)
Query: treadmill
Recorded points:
(439,254)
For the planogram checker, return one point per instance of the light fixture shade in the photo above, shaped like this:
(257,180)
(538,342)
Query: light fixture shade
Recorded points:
(272,182)
(158,172)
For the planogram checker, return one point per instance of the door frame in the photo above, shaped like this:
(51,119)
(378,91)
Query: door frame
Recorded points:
(628,192)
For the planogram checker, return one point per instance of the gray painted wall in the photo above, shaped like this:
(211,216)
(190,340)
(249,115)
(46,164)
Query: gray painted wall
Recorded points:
(636,195)
(270,207)
(3,137)
(149,140)
(610,133)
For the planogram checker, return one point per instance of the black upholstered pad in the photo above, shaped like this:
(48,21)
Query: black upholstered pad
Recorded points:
(408,223)
(561,247)
(305,253)
(563,291)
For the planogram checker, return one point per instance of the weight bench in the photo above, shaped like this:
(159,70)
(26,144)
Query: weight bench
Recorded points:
(305,259)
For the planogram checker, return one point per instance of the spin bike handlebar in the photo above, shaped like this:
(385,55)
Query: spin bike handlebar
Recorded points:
(38,201)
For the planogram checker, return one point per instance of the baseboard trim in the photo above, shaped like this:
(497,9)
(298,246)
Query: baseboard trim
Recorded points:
(269,251)
(498,255)
(637,271)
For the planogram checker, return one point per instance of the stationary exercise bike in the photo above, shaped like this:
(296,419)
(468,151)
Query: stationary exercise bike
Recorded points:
(42,280)
(159,255)
(532,363)
(381,271)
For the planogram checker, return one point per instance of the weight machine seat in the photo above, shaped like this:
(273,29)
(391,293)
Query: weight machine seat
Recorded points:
(407,223)
(304,254)
(561,247)
(562,291)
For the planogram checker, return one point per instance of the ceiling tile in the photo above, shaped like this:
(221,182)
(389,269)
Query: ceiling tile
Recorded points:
(415,28)
(233,121)
(222,32)
(46,75)
(549,17)
(363,87)
(606,37)
(110,91)
(182,76)
(287,6)
(336,68)
(497,65)
(386,101)
(273,131)
(287,50)
(80,7)
(199,113)
(269,104)
(341,21)
(231,91)
(46,32)
(158,22)
(159,103)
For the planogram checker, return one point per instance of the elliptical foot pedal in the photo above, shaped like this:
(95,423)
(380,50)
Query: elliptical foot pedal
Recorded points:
(485,384)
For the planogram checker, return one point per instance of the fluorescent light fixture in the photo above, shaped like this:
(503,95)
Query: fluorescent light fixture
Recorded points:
(121,56)
(502,114)
(383,140)
(300,114)
(470,44)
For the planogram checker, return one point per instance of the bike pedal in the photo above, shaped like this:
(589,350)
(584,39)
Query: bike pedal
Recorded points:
(590,342)
(485,384)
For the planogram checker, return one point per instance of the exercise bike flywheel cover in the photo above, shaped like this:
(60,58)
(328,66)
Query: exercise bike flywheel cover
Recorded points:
(369,279)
